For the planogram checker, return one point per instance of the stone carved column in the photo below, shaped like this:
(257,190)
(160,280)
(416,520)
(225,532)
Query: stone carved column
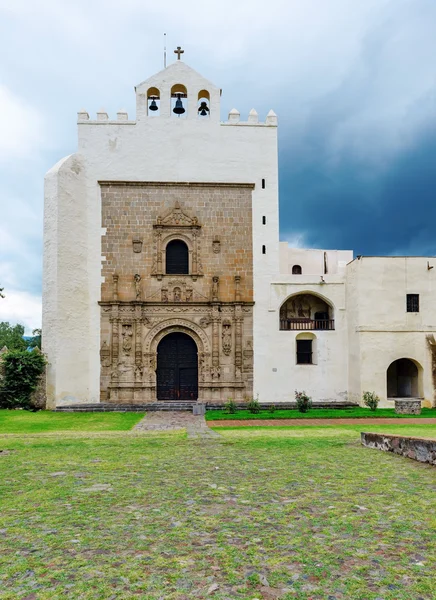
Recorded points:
(194,254)
(238,342)
(215,371)
(115,346)
(159,253)
(237,288)
(138,345)
(115,287)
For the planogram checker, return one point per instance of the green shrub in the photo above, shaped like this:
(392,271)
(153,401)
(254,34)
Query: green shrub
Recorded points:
(230,406)
(371,400)
(253,406)
(304,402)
(272,408)
(21,372)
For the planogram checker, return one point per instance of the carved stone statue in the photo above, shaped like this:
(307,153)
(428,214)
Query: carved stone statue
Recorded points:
(127,338)
(215,284)
(137,279)
(105,355)
(227,337)
(215,372)
(177,294)
(189,295)
(164,295)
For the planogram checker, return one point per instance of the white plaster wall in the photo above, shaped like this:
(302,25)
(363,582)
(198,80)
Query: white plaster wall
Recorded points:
(151,149)
(381,331)
(66,306)
(312,260)
(277,375)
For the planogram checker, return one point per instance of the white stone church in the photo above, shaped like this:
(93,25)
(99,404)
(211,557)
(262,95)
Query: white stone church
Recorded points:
(165,281)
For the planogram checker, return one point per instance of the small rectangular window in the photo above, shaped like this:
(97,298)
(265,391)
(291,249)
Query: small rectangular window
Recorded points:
(263,249)
(304,352)
(263,184)
(412,303)
(263,220)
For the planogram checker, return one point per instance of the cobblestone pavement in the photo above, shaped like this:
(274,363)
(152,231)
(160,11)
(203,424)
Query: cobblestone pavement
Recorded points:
(319,422)
(195,426)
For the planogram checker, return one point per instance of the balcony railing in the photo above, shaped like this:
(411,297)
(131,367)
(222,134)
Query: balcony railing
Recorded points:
(307,324)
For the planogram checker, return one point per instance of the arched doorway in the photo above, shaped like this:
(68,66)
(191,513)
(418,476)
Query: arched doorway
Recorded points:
(403,379)
(177,368)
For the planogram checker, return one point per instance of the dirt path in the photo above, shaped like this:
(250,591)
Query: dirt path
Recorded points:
(318,422)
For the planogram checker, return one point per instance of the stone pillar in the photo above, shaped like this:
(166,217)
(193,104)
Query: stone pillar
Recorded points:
(115,287)
(194,254)
(159,253)
(237,288)
(215,371)
(238,345)
(138,345)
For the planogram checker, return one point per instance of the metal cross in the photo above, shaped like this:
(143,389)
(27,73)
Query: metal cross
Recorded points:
(179,51)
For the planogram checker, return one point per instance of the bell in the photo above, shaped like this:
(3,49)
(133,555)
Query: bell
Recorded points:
(203,109)
(178,109)
(153,106)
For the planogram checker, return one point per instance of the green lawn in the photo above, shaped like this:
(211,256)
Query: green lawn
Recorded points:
(267,513)
(22,421)
(319,413)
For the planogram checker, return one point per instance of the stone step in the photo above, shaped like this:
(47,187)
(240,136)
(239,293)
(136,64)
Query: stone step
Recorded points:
(181,405)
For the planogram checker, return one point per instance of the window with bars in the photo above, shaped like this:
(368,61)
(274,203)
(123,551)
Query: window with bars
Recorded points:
(412,303)
(177,258)
(304,352)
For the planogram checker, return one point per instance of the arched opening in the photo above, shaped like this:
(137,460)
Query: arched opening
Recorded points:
(297,270)
(177,258)
(153,102)
(305,312)
(306,350)
(177,368)
(203,105)
(179,100)
(404,379)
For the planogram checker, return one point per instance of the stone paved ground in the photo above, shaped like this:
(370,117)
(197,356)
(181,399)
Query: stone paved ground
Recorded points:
(317,422)
(195,425)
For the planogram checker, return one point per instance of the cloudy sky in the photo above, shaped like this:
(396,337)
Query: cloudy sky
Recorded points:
(353,83)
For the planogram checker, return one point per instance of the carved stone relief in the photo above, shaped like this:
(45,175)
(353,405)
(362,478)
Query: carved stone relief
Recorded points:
(226,337)
(137,246)
(137,279)
(127,335)
(105,355)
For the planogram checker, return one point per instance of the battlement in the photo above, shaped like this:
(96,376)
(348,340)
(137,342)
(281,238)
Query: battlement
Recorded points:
(234,118)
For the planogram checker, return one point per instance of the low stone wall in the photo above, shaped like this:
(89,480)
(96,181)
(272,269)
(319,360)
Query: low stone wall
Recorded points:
(421,449)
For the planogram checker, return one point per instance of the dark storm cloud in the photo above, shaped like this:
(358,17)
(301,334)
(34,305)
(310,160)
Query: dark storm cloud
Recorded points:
(338,208)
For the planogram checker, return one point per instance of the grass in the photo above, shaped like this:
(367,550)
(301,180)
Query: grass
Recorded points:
(22,421)
(267,513)
(319,413)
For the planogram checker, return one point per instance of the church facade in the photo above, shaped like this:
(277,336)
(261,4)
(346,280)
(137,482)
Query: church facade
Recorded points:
(164,278)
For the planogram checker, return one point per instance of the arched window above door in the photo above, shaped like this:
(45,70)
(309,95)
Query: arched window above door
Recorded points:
(177,258)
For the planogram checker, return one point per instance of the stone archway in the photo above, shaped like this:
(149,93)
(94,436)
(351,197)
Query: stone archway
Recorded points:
(403,379)
(177,368)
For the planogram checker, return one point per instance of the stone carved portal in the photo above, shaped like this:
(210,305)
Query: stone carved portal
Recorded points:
(201,358)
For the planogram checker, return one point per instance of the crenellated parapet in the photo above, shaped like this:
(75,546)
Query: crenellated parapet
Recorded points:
(234,118)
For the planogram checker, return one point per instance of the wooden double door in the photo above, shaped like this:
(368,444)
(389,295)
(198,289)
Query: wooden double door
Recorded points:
(177,368)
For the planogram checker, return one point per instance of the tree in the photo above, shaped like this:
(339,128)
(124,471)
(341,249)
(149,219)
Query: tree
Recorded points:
(1,294)
(35,341)
(11,336)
